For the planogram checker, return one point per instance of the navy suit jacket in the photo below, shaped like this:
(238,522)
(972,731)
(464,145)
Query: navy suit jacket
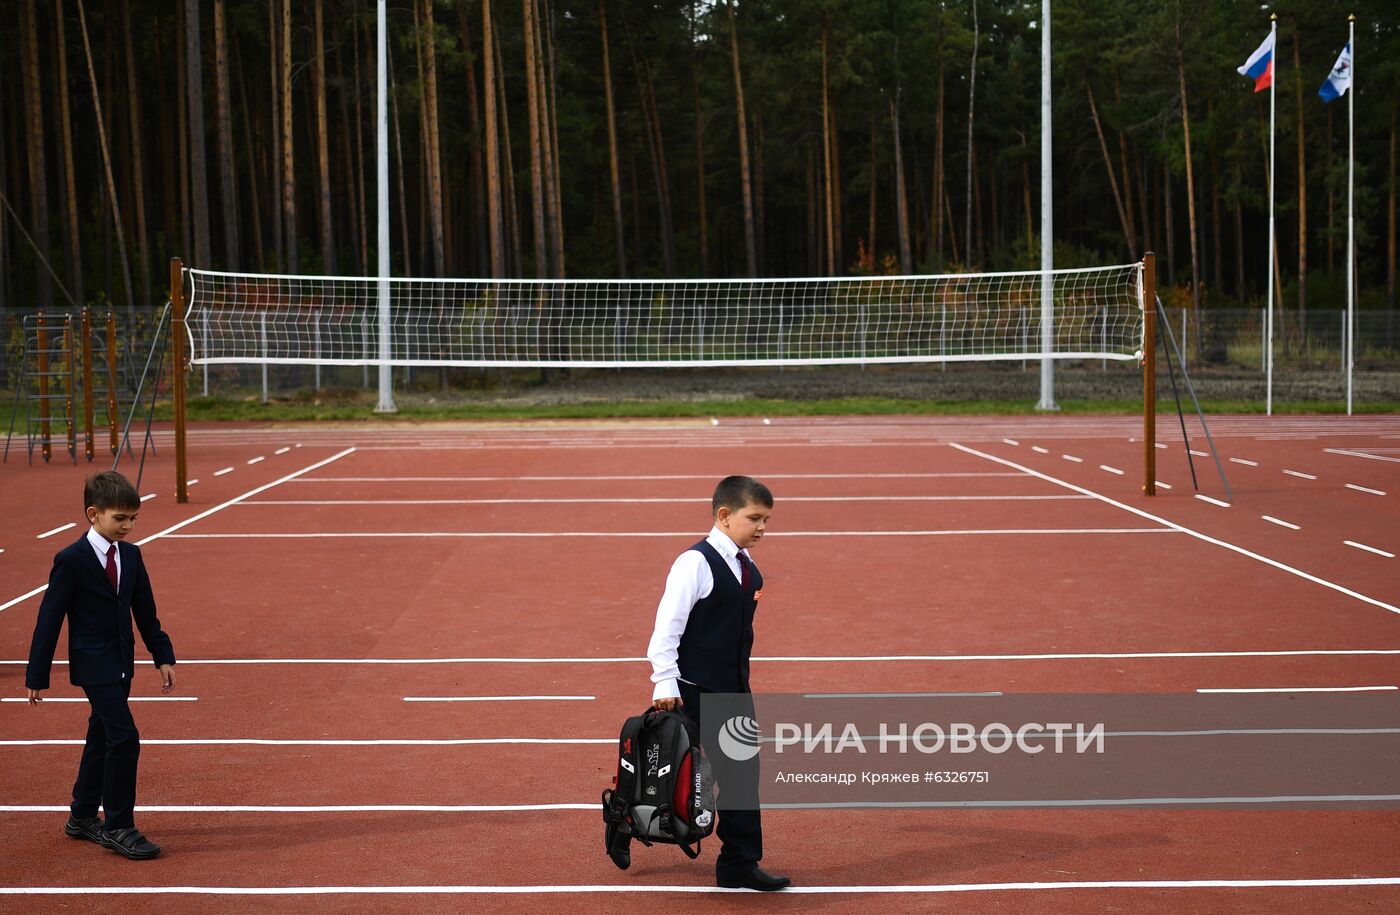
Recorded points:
(101,645)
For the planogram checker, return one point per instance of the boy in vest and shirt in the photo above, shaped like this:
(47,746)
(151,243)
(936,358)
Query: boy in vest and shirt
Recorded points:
(702,643)
(98,584)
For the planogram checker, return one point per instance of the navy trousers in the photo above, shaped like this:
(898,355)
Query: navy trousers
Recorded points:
(107,772)
(740,831)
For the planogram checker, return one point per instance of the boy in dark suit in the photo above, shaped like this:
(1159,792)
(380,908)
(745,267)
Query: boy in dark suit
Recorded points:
(702,643)
(99,584)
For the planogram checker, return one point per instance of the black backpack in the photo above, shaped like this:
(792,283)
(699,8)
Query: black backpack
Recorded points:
(663,790)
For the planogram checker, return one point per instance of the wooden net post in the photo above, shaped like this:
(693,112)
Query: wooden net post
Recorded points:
(85,328)
(112,382)
(45,429)
(1149,373)
(69,417)
(177,349)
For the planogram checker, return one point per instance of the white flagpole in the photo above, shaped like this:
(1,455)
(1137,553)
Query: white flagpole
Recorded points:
(1269,279)
(1351,218)
(381,120)
(1047,223)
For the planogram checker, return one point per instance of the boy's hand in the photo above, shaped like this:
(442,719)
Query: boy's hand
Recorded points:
(667,705)
(167,673)
(34,697)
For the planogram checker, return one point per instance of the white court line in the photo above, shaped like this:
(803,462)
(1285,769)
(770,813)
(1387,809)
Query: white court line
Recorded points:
(204,514)
(1303,689)
(658,501)
(1361,454)
(315,808)
(498,698)
(1114,470)
(129,699)
(628,478)
(191,482)
(257,460)
(1199,453)
(148,497)
(325,742)
(1212,501)
(1369,549)
(1070,457)
(282,450)
(1374,492)
(1186,530)
(1244,462)
(1011,441)
(1160,445)
(1039,450)
(1057,656)
(498,535)
(655,889)
(1161,485)
(57,530)
(219,473)
(1299,473)
(1280,522)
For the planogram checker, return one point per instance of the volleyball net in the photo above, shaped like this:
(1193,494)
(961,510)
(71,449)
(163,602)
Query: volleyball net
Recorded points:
(242,318)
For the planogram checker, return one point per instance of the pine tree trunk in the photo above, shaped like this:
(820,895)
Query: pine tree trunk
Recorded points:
(401,163)
(199,170)
(827,203)
(72,237)
(254,158)
(532,103)
(142,245)
(1217,261)
(496,244)
(901,206)
(289,185)
(512,200)
(475,161)
(350,150)
(814,248)
(227,186)
(432,156)
(38,183)
(1112,178)
(971,120)
(1390,213)
(274,33)
(613,172)
(1302,196)
(1169,224)
(106,158)
(1239,236)
(936,206)
(701,217)
(868,246)
(759,218)
(551,132)
(746,189)
(323,149)
(1190,173)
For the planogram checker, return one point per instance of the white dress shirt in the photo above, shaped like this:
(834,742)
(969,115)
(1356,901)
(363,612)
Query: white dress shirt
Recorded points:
(689,581)
(100,545)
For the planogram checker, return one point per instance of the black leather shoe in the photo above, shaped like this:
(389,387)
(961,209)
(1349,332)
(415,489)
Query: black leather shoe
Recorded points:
(129,841)
(756,879)
(89,828)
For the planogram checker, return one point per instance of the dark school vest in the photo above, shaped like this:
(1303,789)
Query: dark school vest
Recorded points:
(714,649)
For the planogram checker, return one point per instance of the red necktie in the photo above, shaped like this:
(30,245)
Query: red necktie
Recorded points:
(112,565)
(743,570)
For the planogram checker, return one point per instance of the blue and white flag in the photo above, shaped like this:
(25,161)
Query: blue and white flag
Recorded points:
(1339,81)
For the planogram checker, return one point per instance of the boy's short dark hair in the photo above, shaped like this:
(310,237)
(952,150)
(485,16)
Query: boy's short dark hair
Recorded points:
(109,489)
(735,492)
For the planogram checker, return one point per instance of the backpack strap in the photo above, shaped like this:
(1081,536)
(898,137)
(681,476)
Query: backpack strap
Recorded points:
(617,803)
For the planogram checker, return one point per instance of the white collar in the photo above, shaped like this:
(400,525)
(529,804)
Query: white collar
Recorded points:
(723,543)
(99,542)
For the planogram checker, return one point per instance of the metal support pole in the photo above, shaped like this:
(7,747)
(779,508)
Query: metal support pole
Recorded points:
(1149,373)
(386,386)
(177,374)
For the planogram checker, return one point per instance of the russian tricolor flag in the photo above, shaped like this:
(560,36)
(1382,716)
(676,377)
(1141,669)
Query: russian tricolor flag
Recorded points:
(1260,66)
